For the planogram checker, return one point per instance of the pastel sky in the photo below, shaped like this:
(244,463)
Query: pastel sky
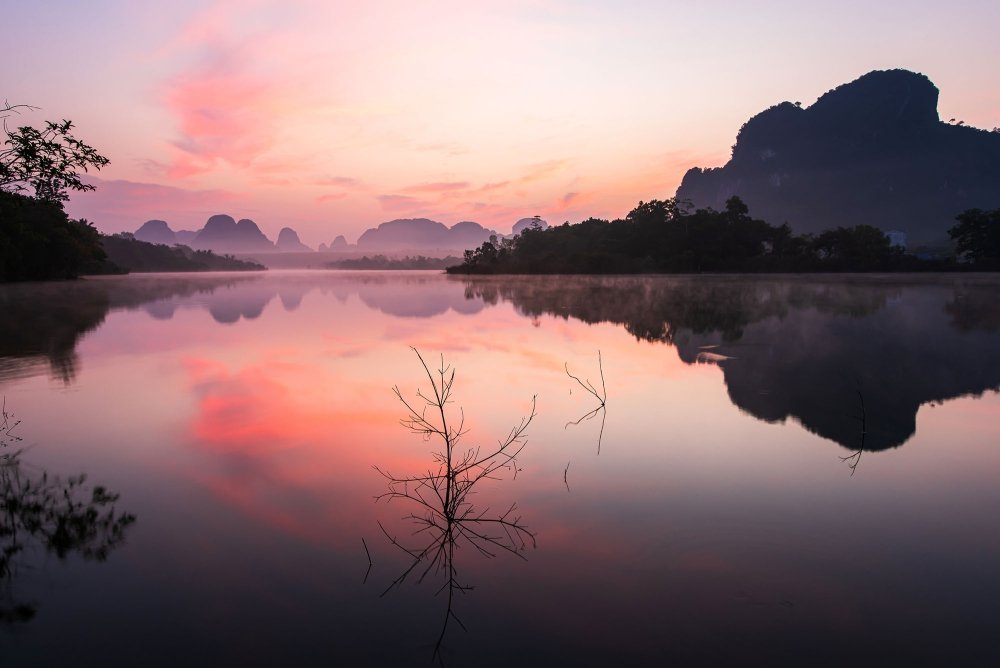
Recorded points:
(331,117)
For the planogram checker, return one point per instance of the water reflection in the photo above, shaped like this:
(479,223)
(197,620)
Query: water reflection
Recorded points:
(444,518)
(788,347)
(43,323)
(44,513)
(600,409)
(800,348)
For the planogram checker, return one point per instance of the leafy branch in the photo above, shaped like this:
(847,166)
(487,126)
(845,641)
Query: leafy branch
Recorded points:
(47,161)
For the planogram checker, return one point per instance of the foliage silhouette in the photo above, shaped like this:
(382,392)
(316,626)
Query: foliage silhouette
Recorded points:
(131,255)
(39,242)
(46,162)
(667,236)
(977,238)
(445,516)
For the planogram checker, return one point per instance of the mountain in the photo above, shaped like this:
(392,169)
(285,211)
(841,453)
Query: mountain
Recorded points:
(224,235)
(288,241)
(422,233)
(156,232)
(525,223)
(873,151)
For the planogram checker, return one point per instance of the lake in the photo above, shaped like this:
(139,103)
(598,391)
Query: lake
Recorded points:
(783,470)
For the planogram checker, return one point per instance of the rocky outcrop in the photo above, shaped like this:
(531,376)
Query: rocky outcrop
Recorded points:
(869,152)
(156,232)
(222,234)
(288,241)
(422,234)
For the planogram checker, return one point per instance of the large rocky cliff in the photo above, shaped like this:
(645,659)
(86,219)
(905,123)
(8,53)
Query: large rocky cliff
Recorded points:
(872,151)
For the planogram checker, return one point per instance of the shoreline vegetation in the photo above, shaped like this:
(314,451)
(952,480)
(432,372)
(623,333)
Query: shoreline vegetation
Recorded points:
(382,262)
(126,254)
(668,237)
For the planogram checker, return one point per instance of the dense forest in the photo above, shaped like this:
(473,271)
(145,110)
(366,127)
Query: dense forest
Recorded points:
(666,236)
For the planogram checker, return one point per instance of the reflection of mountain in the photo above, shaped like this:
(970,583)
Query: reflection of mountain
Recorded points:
(43,322)
(420,296)
(802,348)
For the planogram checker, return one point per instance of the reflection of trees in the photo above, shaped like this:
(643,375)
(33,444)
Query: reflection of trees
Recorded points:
(800,347)
(974,306)
(42,323)
(657,309)
(59,516)
(444,516)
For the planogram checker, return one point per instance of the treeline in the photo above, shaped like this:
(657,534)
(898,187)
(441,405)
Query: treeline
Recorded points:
(383,262)
(127,254)
(664,236)
(39,242)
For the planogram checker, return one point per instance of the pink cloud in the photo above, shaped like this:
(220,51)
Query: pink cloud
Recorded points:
(330,197)
(224,113)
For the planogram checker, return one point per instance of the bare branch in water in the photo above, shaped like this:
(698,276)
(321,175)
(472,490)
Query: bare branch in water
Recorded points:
(855,457)
(602,398)
(445,515)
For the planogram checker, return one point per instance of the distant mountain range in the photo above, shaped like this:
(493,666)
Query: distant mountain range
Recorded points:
(423,234)
(873,151)
(222,234)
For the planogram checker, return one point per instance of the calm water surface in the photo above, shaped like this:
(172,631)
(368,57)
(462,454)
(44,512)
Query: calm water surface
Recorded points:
(795,471)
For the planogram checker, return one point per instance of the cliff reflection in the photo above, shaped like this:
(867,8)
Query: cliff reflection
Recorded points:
(800,347)
(444,518)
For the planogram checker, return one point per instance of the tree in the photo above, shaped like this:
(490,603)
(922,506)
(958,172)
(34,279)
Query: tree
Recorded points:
(977,236)
(47,161)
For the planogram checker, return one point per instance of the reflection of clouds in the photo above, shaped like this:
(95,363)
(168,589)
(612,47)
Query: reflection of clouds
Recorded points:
(286,444)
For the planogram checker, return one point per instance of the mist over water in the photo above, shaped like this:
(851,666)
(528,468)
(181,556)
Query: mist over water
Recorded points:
(793,470)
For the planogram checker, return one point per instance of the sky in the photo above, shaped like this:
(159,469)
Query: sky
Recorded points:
(331,117)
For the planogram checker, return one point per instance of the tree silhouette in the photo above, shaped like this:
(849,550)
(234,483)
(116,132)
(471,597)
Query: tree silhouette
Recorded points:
(46,162)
